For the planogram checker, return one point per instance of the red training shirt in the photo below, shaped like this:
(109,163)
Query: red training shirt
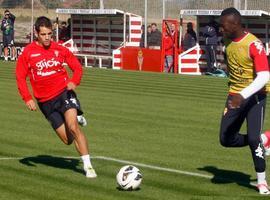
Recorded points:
(44,67)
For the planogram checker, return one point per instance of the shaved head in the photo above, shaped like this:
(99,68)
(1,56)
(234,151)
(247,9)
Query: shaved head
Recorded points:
(232,14)
(230,22)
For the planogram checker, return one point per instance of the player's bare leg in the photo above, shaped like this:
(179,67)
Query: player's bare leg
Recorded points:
(71,132)
(73,127)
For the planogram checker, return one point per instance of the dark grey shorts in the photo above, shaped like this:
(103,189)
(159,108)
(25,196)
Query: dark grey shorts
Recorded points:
(55,108)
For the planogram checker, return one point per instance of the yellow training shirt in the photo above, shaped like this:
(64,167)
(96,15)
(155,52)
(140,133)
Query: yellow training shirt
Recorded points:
(240,65)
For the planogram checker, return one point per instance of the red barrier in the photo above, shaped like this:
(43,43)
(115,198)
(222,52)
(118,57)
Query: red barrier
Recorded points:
(136,58)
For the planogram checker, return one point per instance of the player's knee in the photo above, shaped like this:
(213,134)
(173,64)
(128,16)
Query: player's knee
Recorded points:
(68,141)
(73,128)
(224,141)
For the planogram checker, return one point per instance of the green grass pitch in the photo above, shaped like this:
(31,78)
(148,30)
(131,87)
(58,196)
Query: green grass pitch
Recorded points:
(167,124)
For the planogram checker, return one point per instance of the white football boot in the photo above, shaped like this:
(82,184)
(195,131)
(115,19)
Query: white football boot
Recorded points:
(81,120)
(90,172)
(263,189)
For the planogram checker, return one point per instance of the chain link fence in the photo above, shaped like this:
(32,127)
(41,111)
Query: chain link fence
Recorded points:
(22,9)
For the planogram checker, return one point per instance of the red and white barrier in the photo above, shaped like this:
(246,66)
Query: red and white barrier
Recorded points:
(188,61)
(193,61)
(71,46)
(98,32)
(135,31)
(116,59)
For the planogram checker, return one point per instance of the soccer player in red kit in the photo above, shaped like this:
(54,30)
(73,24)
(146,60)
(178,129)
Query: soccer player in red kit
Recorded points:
(42,62)
(248,76)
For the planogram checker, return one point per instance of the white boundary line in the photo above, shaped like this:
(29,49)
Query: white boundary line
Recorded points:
(11,158)
(155,167)
(130,163)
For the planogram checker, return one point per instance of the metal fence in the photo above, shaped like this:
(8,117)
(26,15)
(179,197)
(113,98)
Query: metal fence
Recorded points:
(23,9)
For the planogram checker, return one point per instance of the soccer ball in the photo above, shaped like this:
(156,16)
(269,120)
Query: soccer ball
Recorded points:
(129,177)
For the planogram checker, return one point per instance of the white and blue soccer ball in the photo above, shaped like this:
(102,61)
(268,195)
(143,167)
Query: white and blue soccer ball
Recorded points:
(129,177)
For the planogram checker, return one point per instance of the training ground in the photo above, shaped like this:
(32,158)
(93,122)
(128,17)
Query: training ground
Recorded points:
(165,124)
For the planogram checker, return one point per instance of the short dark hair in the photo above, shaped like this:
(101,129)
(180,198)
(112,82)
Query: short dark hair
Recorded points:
(232,11)
(6,11)
(189,24)
(42,21)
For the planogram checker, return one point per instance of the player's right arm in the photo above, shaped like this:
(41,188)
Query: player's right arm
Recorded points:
(12,17)
(22,71)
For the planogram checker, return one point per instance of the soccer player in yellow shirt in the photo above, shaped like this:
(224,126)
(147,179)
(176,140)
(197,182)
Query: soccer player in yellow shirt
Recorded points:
(248,75)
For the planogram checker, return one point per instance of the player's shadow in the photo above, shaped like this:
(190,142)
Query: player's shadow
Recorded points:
(53,161)
(223,176)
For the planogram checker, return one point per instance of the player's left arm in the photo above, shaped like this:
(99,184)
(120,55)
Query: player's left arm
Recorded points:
(76,68)
(261,67)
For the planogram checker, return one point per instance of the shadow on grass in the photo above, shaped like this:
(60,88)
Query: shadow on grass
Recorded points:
(223,176)
(129,190)
(53,161)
